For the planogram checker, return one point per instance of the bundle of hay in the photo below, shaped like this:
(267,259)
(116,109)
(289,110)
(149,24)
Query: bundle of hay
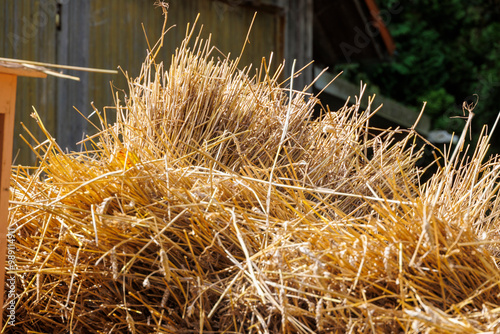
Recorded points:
(214,204)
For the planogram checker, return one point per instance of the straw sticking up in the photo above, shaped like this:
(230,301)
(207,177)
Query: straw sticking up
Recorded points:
(215,203)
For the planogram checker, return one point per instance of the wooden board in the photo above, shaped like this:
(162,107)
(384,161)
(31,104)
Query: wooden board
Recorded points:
(21,70)
(391,110)
(7,109)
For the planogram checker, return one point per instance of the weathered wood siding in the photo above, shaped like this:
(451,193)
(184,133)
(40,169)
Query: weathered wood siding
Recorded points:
(299,39)
(28,29)
(108,34)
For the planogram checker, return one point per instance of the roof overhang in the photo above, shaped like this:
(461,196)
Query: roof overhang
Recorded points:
(351,31)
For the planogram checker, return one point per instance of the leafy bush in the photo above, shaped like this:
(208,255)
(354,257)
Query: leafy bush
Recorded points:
(447,54)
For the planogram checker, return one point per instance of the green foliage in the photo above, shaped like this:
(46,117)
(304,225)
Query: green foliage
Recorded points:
(447,53)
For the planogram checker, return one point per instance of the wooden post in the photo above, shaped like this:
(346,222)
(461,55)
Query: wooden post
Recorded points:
(7,113)
(299,40)
(8,82)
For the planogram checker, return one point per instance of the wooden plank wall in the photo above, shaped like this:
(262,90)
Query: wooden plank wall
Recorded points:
(108,34)
(299,40)
(28,28)
(117,38)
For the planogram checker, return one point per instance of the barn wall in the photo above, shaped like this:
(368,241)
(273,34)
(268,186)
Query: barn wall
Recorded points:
(28,28)
(108,34)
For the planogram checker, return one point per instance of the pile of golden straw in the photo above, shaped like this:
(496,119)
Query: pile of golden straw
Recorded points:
(214,204)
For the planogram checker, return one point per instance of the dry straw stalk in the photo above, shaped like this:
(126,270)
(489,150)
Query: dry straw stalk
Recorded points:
(215,204)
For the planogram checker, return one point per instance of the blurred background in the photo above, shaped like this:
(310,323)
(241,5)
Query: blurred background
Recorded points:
(407,52)
(447,53)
